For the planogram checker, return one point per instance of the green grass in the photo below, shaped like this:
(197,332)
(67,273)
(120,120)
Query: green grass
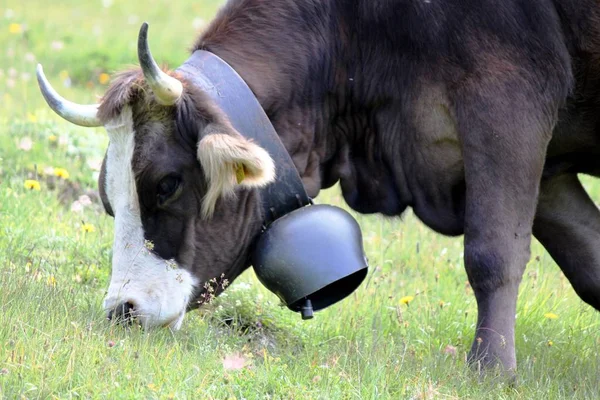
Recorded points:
(55,342)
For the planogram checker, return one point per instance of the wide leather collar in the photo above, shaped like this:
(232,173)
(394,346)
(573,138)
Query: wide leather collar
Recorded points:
(231,93)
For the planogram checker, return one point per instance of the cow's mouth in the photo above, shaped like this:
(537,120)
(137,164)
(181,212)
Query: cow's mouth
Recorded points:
(126,315)
(123,314)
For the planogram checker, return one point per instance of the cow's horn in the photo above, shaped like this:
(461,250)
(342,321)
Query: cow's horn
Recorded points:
(166,88)
(78,114)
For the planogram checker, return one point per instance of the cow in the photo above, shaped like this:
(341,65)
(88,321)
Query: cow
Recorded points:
(476,114)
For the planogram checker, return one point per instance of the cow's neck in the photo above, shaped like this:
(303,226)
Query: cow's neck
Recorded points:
(289,70)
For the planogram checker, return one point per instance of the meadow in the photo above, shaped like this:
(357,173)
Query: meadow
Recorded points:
(403,334)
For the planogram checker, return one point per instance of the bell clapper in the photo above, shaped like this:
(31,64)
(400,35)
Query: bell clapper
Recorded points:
(307,310)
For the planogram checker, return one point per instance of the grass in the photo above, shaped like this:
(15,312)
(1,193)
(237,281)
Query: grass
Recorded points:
(55,265)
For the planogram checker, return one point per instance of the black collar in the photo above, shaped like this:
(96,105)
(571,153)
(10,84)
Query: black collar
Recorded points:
(222,83)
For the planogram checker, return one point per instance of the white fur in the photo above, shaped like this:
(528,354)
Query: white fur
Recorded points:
(158,290)
(220,155)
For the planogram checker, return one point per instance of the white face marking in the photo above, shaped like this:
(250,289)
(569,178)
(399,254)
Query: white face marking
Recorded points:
(158,290)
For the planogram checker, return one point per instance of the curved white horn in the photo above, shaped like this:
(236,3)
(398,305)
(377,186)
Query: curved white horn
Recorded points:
(78,114)
(166,88)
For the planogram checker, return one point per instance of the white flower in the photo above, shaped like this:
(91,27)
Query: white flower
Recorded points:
(25,144)
(57,45)
(85,200)
(198,23)
(77,207)
(95,164)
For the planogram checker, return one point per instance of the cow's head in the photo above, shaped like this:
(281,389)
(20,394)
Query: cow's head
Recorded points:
(179,181)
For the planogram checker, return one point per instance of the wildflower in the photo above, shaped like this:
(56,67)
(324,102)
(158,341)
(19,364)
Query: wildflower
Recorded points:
(198,23)
(52,138)
(25,144)
(51,281)
(103,78)
(95,164)
(32,184)
(133,19)
(152,387)
(57,45)
(550,343)
(451,350)
(148,244)
(15,28)
(88,228)
(85,200)
(551,315)
(76,207)
(406,299)
(61,173)
(171,264)
(234,362)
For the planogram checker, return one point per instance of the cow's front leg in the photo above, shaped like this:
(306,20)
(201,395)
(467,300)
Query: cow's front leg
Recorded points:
(504,144)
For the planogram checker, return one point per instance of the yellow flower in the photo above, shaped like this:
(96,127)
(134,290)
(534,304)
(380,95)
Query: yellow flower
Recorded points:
(63,75)
(15,28)
(550,315)
(104,78)
(88,228)
(32,184)
(152,387)
(550,343)
(31,117)
(51,281)
(52,138)
(406,299)
(61,173)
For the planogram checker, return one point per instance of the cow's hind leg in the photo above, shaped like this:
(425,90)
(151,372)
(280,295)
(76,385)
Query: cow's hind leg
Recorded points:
(567,223)
(504,132)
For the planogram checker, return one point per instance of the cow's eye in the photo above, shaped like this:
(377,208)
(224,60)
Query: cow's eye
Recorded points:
(167,187)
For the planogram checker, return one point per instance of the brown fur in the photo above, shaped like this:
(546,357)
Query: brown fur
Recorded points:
(464,113)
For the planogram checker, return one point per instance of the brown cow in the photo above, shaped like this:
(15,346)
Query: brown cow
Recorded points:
(478,114)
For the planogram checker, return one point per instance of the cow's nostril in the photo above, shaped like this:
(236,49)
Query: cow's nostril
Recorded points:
(122,313)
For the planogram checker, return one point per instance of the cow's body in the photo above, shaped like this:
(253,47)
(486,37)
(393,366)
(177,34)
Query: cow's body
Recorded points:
(457,109)
(446,107)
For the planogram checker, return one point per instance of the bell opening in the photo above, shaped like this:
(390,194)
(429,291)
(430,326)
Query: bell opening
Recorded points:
(331,293)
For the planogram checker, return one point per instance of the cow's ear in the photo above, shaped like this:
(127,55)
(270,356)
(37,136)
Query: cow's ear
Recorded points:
(230,160)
